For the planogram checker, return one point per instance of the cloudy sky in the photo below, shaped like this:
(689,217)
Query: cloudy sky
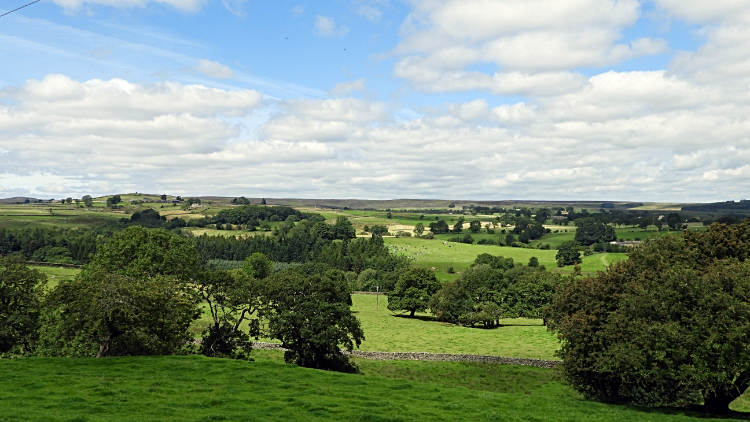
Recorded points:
(376,99)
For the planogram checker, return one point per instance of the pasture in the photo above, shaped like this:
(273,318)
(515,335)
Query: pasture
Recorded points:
(196,388)
(388,332)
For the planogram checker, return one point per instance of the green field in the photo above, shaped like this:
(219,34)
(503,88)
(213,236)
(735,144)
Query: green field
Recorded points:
(195,388)
(56,274)
(388,332)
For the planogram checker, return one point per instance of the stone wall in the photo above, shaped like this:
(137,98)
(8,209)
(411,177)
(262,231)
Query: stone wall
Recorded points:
(439,357)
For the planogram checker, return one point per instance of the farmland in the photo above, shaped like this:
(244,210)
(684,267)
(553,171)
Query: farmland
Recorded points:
(199,388)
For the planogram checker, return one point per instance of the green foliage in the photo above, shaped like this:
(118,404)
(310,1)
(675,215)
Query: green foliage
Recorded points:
(21,296)
(668,327)
(87,201)
(312,318)
(483,295)
(568,253)
(257,266)
(141,253)
(113,200)
(232,298)
(413,290)
(439,227)
(475,226)
(251,215)
(494,262)
(533,262)
(591,231)
(103,314)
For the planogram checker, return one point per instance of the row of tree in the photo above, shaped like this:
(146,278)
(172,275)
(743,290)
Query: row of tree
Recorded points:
(493,288)
(143,290)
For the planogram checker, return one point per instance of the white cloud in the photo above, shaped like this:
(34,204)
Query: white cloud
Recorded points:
(326,27)
(235,7)
(346,88)
(185,5)
(370,13)
(531,40)
(298,10)
(699,11)
(617,135)
(214,69)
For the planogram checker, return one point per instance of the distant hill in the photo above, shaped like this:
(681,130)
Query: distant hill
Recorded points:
(743,205)
(418,203)
(16,199)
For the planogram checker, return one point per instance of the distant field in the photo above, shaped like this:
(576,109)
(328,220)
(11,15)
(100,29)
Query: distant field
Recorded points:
(434,253)
(56,274)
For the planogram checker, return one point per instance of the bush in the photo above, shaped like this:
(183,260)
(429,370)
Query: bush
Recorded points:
(668,327)
(21,296)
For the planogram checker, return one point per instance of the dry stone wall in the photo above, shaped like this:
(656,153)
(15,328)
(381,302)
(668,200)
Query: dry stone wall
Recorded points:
(438,357)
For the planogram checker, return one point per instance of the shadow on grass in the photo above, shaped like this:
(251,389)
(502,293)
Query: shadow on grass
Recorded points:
(690,412)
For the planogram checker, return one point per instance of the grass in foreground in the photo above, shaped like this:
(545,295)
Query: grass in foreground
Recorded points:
(196,388)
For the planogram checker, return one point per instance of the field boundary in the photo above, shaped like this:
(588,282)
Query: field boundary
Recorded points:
(431,357)
(53,264)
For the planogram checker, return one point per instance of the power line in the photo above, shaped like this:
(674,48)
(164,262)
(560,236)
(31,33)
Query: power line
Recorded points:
(7,13)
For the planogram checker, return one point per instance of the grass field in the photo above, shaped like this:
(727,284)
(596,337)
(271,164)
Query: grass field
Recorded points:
(194,388)
(56,274)
(387,332)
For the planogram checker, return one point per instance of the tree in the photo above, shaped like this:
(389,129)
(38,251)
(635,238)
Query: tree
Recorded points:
(378,230)
(419,229)
(591,231)
(113,200)
(163,197)
(21,296)
(533,262)
(263,201)
(467,239)
(103,314)
(509,239)
(389,215)
(232,298)
(674,220)
(413,291)
(458,227)
(667,327)
(439,227)
(257,266)
(451,205)
(313,319)
(568,253)
(645,222)
(68,200)
(343,229)
(142,253)
(475,226)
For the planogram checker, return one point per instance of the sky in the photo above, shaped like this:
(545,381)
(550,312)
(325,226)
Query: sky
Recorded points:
(612,100)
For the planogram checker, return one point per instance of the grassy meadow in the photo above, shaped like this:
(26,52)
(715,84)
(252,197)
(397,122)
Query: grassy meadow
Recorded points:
(389,332)
(196,388)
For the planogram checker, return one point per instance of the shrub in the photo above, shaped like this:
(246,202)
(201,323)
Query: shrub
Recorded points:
(668,327)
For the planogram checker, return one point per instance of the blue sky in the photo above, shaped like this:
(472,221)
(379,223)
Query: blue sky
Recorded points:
(481,99)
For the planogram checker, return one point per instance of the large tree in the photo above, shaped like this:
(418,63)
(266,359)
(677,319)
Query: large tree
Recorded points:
(21,296)
(667,327)
(312,317)
(141,253)
(232,297)
(568,253)
(413,291)
(103,314)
